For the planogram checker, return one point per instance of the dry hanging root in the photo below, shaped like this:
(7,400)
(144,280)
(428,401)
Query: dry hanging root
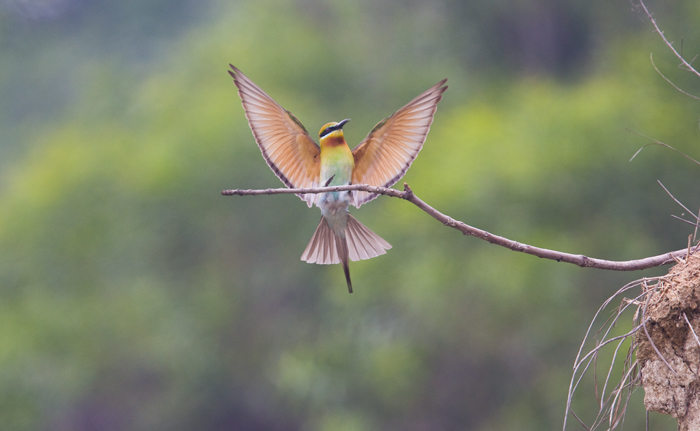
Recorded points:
(668,347)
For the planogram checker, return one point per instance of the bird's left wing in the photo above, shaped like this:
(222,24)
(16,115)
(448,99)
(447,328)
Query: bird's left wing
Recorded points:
(385,155)
(285,144)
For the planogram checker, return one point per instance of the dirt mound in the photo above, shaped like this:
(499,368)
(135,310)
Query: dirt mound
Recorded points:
(672,384)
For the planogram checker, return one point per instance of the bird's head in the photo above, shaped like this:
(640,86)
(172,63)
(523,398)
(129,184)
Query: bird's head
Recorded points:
(332,131)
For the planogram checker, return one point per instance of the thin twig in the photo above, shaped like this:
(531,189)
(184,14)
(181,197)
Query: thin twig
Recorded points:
(691,328)
(669,44)
(657,350)
(690,242)
(669,81)
(677,201)
(655,142)
(619,337)
(607,405)
(686,221)
(610,369)
(620,291)
(580,421)
(407,194)
(620,416)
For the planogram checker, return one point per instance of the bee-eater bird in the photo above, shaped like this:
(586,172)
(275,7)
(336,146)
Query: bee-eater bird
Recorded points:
(381,159)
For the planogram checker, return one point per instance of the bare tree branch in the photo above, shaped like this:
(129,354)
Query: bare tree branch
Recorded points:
(407,194)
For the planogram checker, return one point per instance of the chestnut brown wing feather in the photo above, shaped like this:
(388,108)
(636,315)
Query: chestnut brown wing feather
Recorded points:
(284,142)
(387,152)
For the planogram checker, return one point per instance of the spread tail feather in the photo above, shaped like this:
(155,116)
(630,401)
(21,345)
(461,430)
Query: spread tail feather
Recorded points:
(322,248)
(362,242)
(327,248)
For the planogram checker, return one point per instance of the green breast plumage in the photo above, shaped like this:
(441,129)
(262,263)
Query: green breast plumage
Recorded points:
(337,164)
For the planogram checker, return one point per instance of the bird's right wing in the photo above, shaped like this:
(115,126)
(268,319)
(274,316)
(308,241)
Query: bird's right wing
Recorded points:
(285,144)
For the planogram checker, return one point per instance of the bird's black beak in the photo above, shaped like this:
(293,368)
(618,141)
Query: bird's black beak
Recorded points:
(342,123)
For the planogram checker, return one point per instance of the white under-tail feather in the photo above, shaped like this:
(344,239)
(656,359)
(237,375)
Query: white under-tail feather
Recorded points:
(327,248)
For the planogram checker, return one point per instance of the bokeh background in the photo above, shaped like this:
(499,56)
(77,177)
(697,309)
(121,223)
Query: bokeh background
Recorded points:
(133,296)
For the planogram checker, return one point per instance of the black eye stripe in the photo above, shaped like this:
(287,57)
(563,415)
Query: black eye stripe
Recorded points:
(328,130)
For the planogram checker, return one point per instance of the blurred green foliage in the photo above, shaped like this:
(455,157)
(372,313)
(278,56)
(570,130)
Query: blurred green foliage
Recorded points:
(134,297)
